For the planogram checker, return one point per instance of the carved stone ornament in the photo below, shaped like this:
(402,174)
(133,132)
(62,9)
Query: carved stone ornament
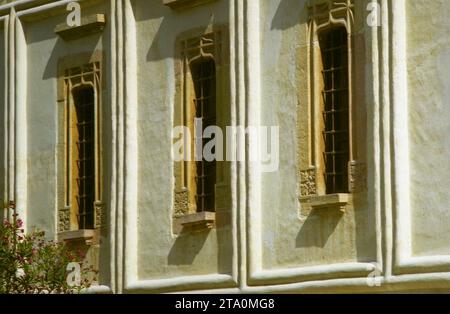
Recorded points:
(64,219)
(308,182)
(330,11)
(205,46)
(181,202)
(100,214)
(357,177)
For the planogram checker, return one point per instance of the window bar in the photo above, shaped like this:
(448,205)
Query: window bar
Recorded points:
(336,110)
(204,83)
(85,157)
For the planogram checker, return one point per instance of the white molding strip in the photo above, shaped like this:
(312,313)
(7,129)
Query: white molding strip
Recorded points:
(45,7)
(424,264)
(11,104)
(403,283)
(233,165)
(6,110)
(299,274)
(400,147)
(181,283)
(14,4)
(253,99)
(21,152)
(113,264)
(385,129)
(120,100)
(131,146)
(374,140)
(240,105)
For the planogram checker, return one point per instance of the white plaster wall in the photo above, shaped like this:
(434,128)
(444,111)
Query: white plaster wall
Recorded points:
(44,49)
(429,115)
(322,237)
(287,241)
(160,253)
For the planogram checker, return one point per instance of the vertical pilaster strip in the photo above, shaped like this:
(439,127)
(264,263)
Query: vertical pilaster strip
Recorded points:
(400,144)
(11,106)
(385,129)
(21,164)
(6,113)
(240,141)
(113,202)
(374,144)
(131,145)
(233,164)
(253,99)
(120,148)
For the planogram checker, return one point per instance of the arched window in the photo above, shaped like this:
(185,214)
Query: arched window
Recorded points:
(335,109)
(203,73)
(80,193)
(82,151)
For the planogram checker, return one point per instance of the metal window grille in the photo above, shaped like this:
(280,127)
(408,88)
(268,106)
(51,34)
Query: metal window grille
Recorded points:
(85,156)
(334,51)
(204,79)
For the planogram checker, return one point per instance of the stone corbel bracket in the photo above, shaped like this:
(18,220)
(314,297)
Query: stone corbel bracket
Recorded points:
(199,221)
(86,236)
(89,25)
(330,201)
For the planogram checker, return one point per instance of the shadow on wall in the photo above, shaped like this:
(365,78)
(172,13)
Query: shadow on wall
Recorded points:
(318,228)
(186,248)
(172,24)
(289,14)
(63,49)
(357,227)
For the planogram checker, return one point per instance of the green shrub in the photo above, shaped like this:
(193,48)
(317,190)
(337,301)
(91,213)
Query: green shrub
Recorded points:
(30,264)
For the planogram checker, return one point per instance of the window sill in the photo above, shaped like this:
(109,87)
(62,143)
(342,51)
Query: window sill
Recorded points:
(329,201)
(85,235)
(89,25)
(184,4)
(198,221)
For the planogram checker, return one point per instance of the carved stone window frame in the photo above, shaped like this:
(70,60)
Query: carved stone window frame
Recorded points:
(85,69)
(211,43)
(325,15)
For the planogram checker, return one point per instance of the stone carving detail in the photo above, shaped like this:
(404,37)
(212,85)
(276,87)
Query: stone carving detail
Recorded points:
(181,202)
(64,219)
(100,214)
(204,46)
(328,11)
(308,182)
(357,177)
